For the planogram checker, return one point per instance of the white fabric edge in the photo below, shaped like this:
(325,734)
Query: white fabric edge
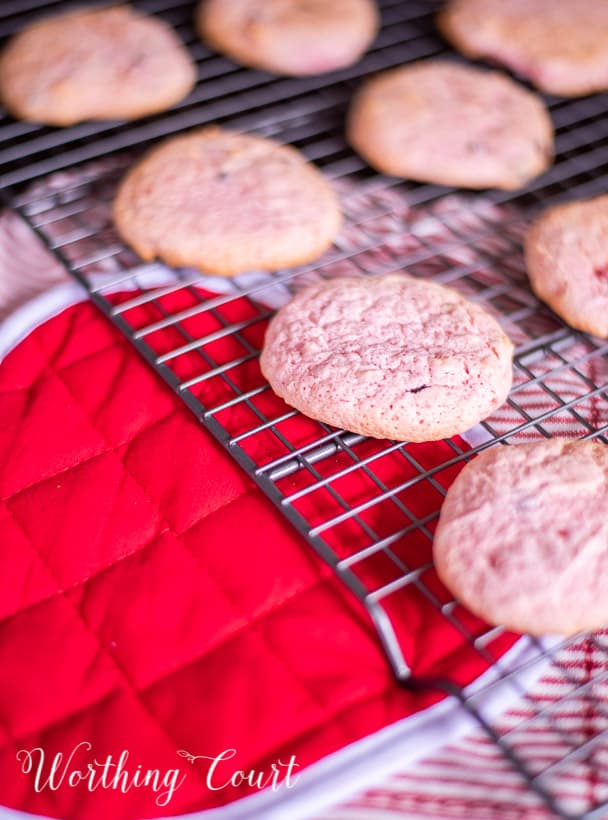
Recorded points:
(21,322)
(361,764)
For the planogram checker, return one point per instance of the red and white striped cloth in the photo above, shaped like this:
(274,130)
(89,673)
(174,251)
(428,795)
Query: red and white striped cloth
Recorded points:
(473,779)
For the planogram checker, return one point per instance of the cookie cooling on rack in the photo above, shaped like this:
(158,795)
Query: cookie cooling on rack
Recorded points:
(439,121)
(559,45)
(98,64)
(389,357)
(566,253)
(226,203)
(296,37)
(522,538)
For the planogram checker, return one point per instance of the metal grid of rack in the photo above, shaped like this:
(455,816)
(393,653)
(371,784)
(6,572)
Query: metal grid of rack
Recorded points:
(368,507)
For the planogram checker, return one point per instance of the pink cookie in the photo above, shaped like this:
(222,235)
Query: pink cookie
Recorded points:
(226,203)
(566,253)
(388,357)
(94,64)
(438,121)
(560,45)
(295,37)
(522,539)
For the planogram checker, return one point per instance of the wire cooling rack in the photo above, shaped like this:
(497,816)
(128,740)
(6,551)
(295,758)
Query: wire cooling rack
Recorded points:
(368,507)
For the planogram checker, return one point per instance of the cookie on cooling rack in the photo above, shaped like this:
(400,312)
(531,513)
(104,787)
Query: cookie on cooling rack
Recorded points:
(566,253)
(522,538)
(296,37)
(226,203)
(559,45)
(442,122)
(109,63)
(389,357)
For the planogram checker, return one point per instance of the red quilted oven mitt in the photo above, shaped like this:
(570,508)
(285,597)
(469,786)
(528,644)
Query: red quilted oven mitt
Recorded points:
(152,601)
